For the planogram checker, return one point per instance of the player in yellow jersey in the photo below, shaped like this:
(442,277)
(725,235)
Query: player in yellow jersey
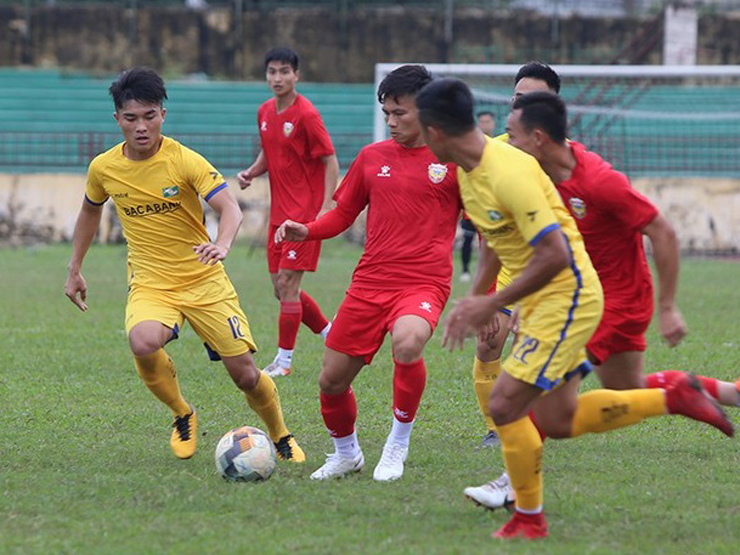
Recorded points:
(532,76)
(175,270)
(518,211)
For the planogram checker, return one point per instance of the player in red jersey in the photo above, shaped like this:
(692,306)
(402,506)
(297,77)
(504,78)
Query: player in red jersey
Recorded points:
(402,281)
(299,156)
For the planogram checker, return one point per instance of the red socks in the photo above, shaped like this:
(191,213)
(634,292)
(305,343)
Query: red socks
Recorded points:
(409,381)
(312,315)
(288,324)
(339,412)
(666,378)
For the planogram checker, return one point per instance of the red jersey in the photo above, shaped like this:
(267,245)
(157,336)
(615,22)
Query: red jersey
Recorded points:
(413,208)
(610,215)
(293,142)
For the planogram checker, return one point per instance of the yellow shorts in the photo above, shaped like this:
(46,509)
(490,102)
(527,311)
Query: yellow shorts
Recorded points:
(212,309)
(554,328)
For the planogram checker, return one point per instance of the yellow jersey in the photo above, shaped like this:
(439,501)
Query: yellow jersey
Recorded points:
(513,204)
(158,203)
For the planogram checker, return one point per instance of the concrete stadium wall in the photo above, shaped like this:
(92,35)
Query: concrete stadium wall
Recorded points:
(335,46)
(40,207)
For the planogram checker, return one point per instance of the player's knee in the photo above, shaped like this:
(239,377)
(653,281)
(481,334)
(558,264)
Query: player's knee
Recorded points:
(142,345)
(246,377)
(331,384)
(500,410)
(286,286)
(407,348)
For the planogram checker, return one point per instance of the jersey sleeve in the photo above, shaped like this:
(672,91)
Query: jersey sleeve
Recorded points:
(94,191)
(352,195)
(525,198)
(319,142)
(201,174)
(616,196)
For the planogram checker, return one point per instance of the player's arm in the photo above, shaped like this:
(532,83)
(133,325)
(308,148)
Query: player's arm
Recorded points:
(486,270)
(666,255)
(258,168)
(86,227)
(550,256)
(331,177)
(327,226)
(230,218)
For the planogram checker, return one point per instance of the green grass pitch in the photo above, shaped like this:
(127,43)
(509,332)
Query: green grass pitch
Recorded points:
(85,465)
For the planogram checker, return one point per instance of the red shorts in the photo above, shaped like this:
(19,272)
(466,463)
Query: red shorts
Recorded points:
(366,315)
(291,256)
(618,332)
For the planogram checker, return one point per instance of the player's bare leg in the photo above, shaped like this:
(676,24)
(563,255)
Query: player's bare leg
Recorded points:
(158,373)
(262,396)
(339,411)
(622,371)
(410,335)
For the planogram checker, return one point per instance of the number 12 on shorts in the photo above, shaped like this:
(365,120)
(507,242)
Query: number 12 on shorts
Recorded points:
(528,345)
(236,327)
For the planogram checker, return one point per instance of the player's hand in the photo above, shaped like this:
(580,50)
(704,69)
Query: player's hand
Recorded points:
(672,327)
(245,178)
(210,253)
(469,315)
(514,320)
(74,286)
(291,231)
(487,334)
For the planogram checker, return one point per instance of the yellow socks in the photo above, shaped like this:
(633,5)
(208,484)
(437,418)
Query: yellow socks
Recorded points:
(602,410)
(484,377)
(157,371)
(522,448)
(265,401)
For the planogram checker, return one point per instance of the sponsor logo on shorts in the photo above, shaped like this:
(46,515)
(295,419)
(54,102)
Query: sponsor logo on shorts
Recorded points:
(150,209)
(292,255)
(437,172)
(385,171)
(578,207)
(426,306)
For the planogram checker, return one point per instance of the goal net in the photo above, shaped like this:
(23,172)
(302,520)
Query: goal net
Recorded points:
(648,121)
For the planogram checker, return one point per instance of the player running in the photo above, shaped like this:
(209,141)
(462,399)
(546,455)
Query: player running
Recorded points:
(175,271)
(613,218)
(402,281)
(518,211)
(303,169)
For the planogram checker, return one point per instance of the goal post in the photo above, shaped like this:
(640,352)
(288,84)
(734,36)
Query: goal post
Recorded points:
(647,120)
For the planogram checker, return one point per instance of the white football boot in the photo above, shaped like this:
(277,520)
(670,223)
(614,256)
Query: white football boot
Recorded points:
(337,466)
(493,495)
(390,465)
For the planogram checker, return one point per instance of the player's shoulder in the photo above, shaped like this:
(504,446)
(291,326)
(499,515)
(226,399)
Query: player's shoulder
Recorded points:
(106,158)
(598,170)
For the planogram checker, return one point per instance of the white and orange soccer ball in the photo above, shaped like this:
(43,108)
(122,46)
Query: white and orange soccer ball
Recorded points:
(245,454)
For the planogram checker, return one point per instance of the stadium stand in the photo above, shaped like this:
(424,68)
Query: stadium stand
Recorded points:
(56,122)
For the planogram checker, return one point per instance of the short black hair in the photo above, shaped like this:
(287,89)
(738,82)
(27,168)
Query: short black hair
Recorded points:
(541,71)
(142,84)
(282,54)
(403,81)
(485,113)
(448,104)
(544,110)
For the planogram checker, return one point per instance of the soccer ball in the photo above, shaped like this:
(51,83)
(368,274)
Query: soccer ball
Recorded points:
(245,454)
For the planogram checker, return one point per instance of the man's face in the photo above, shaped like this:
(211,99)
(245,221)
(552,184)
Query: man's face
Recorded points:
(518,136)
(528,85)
(142,128)
(281,78)
(487,124)
(402,119)
(435,141)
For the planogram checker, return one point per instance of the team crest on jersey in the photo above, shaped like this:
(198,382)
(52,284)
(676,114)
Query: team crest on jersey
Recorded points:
(578,207)
(437,172)
(287,128)
(169,192)
(495,216)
